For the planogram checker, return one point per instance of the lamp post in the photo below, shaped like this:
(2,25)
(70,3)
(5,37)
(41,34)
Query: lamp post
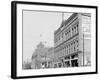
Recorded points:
(45,60)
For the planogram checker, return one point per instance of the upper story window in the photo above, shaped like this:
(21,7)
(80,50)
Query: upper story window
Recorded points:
(69,48)
(59,37)
(62,34)
(66,50)
(74,45)
(77,44)
(69,33)
(77,27)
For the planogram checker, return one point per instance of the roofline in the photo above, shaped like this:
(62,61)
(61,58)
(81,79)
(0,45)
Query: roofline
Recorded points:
(66,22)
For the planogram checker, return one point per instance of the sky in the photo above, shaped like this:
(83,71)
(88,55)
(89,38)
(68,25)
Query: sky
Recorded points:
(39,26)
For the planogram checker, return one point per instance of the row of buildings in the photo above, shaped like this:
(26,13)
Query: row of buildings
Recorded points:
(72,45)
(72,41)
(42,57)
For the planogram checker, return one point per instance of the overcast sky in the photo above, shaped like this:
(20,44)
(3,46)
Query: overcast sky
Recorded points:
(36,23)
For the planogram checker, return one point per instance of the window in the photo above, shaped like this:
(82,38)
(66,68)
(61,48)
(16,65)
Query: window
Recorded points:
(69,48)
(69,33)
(67,57)
(74,46)
(74,63)
(66,50)
(67,64)
(77,43)
(55,65)
(77,27)
(62,51)
(59,37)
(59,64)
(65,35)
(62,34)
(72,31)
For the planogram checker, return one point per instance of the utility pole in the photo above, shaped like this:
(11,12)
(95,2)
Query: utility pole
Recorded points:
(62,16)
(83,46)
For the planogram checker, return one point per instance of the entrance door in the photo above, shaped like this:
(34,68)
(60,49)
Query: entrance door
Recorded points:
(74,63)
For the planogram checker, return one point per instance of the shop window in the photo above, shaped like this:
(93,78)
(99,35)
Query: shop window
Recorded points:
(67,64)
(55,65)
(74,63)
(73,56)
(60,65)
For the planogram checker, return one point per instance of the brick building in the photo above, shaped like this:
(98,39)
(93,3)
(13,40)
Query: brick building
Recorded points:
(72,42)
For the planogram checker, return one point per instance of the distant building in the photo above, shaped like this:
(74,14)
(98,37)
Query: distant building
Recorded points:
(42,57)
(72,42)
(50,57)
(26,65)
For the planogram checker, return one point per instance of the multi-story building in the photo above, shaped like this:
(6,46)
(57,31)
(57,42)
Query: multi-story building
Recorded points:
(72,42)
(42,57)
(50,56)
(47,59)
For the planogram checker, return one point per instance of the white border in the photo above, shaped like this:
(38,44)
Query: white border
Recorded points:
(33,72)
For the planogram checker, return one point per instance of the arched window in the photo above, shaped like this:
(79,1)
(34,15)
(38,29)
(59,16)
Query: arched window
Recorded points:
(66,35)
(71,47)
(74,46)
(77,27)
(62,34)
(74,29)
(77,44)
(64,51)
(69,33)
(67,49)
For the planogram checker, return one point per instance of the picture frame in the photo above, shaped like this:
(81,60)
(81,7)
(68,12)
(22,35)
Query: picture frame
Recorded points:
(26,16)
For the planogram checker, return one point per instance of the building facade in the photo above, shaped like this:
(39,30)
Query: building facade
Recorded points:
(72,42)
(42,57)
